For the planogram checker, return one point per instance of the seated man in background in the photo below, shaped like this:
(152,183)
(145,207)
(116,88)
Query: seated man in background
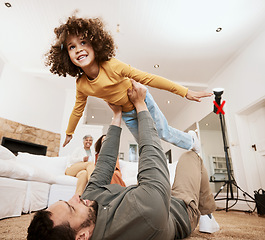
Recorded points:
(81,164)
(149,210)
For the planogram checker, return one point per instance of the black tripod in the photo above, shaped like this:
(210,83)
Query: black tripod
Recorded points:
(230,182)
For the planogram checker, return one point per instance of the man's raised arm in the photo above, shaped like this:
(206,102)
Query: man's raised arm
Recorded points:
(106,163)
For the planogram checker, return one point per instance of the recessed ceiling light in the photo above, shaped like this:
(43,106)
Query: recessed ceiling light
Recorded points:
(93,116)
(8,4)
(156,66)
(168,101)
(218,29)
(206,124)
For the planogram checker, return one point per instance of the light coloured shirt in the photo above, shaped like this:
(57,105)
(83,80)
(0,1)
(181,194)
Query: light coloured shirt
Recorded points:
(78,156)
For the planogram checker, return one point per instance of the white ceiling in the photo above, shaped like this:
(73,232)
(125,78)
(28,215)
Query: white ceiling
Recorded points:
(179,35)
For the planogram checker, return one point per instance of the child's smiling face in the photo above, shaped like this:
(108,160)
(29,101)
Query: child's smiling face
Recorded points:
(80,51)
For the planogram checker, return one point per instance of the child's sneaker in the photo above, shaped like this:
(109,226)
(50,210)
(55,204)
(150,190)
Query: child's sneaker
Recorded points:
(196,144)
(208,224)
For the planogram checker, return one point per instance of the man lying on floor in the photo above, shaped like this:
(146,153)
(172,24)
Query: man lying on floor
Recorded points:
(149,210)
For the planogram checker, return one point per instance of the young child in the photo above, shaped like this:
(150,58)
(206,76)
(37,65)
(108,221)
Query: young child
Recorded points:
(85,50)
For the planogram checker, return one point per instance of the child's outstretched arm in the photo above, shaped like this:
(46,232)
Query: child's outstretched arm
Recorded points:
(197,96)
(156,81)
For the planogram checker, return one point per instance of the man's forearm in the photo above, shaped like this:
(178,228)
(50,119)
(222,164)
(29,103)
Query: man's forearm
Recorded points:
(116,121)
(141,106)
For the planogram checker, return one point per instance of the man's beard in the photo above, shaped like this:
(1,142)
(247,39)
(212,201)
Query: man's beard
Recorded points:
(92,215)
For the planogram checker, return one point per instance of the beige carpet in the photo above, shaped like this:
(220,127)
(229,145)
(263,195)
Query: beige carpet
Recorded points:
(233,224)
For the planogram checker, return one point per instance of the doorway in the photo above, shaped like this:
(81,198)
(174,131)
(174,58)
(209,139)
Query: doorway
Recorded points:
(251,132)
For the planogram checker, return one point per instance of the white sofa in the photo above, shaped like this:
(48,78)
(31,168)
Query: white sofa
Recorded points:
(32,182)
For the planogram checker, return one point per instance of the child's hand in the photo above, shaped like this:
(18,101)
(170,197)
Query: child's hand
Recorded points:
(67,139)
(137,93)
(196,96)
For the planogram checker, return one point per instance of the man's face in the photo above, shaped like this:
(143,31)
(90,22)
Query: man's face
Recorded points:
(88,142)
(75,211)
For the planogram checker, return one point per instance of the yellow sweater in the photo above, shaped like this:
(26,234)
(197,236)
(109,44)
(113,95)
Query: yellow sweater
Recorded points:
(111,85)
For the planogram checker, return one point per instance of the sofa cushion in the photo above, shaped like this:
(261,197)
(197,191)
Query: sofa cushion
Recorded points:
(5,154)
(12,169)
(128,169)
(40,175)
(65,180)
(129,172)
(16,170)
(53,165)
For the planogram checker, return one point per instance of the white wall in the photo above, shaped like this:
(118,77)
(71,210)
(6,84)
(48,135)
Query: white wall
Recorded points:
(2,64)
(81,130)
(29,100)
(212,145)
(244,82)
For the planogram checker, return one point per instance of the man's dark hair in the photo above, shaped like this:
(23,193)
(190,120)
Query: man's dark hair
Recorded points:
(41,228)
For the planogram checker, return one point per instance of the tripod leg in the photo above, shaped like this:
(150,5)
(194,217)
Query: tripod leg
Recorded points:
(243,191)
(220,190)
(227,196)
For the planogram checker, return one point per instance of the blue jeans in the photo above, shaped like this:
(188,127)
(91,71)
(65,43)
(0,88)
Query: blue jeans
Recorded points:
(165,132)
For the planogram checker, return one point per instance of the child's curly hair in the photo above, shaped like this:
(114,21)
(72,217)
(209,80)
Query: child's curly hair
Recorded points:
(90,29)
